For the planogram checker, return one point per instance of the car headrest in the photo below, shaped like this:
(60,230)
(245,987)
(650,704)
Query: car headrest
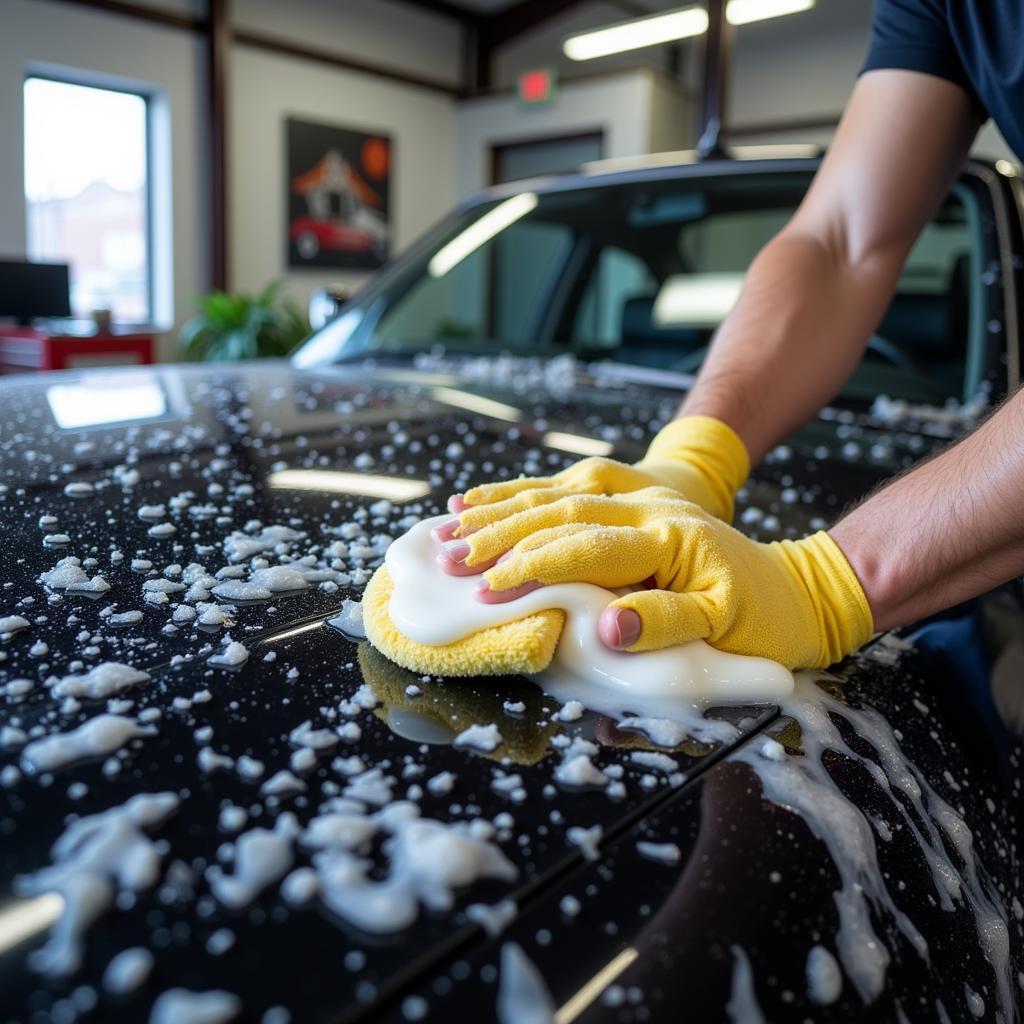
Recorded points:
(639,328)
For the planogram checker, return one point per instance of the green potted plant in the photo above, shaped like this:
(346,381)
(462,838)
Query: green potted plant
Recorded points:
(230,327)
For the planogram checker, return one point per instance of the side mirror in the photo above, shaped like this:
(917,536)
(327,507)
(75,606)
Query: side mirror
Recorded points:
(325,304)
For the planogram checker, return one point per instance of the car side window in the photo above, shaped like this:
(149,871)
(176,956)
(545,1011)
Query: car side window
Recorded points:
(492,298)
(618,279)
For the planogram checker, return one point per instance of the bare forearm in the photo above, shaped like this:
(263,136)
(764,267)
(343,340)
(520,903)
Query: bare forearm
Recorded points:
(816,292)
(796,334)
(947,531)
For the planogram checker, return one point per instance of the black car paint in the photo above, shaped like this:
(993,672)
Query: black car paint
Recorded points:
(295,957)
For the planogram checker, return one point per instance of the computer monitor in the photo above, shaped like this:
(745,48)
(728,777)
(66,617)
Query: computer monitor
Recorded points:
(32,290)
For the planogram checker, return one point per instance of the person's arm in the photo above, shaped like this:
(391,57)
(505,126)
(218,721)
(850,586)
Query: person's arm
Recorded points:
(815,293)
(948,530)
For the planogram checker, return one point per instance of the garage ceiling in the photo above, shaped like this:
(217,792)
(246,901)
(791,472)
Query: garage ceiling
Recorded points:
(485,6)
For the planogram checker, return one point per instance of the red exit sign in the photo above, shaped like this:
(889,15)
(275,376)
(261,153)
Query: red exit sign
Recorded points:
(537,86)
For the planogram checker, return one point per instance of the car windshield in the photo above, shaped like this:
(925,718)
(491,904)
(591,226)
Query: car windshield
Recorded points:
(641,273)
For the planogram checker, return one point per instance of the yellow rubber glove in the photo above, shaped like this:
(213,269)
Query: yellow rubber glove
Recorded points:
(699,457)
(798,602)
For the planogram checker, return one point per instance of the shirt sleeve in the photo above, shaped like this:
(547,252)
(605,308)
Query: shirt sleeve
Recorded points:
(914,35)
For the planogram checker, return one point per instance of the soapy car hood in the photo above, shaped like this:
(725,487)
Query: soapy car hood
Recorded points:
(275,492)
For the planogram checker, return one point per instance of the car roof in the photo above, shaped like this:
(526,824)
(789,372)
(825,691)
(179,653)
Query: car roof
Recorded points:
(685,163)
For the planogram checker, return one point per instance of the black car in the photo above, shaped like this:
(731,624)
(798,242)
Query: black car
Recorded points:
(215,804)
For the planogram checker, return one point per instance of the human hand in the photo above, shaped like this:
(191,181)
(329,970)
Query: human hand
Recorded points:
(698,457)
(797,602)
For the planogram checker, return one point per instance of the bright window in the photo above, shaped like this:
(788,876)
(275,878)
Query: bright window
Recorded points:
(87,193)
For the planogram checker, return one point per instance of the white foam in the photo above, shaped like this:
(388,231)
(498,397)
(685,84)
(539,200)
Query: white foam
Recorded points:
(494,918)
(660,853)
(824,978)
(10,624)
(427,861)
(523,995)
(742,1007)
(103,680)
(479,737)
(262,857)
(804,786)
(128,970)
(432,607)
(98,737)
(233,656)
(350,619)
(68,574)
(96,858)
(178,1005)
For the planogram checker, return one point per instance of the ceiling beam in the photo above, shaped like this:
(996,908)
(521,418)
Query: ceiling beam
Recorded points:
(513,21)
(151,14)
(446,9)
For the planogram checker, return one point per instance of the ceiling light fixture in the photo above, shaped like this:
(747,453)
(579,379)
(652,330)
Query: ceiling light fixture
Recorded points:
(743,12)
(672,26)
(637,33)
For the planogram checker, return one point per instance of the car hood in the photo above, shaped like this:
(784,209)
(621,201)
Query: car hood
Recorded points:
(160,479)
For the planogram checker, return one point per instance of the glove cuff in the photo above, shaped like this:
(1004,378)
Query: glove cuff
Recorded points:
(709,447)
(843,613)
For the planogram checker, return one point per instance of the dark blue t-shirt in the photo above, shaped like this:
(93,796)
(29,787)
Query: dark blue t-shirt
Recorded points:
(978,44)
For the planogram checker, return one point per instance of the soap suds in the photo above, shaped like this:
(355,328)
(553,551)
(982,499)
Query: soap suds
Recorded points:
(102,681)
(804,786)
(742,1007)
(179,1005)
(97,737)
(523,995)
(128,970)
(95,859)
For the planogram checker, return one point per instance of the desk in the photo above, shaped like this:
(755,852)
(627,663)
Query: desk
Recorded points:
(26,349)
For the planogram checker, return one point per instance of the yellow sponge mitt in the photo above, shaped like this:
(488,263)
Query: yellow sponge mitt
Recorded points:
(515,648)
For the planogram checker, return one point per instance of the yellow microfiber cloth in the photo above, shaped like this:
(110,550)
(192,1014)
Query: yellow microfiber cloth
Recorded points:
(515,648)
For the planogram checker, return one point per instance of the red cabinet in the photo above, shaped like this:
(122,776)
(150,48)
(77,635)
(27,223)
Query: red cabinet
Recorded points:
(25,349)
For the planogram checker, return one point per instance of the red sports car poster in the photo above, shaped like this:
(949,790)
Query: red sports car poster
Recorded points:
(339,193)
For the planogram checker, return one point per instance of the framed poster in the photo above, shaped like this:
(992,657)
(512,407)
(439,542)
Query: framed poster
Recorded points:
(339,197)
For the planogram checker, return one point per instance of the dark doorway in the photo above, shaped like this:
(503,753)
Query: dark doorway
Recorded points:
(514,160)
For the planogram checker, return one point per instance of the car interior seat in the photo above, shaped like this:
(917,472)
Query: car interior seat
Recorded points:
(649,344)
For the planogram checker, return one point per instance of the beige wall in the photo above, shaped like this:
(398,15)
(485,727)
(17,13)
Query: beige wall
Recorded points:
(268,89)
(638,111)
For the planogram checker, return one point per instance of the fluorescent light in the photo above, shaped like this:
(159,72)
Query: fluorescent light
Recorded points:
(696,300)
(477,403)
(637,33)
(23,920)
(743,12)
(365,484)
(576,443)
(672,26)
(480,232)
(593,988)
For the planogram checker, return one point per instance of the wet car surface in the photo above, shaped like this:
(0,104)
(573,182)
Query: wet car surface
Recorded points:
(742,885)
